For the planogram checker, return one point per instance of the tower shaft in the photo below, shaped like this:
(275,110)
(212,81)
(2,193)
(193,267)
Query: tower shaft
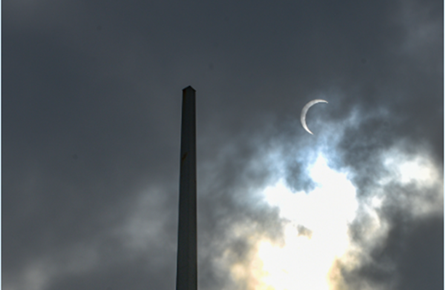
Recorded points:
(187,272)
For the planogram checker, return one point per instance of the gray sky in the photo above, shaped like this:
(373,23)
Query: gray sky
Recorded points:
(91,132)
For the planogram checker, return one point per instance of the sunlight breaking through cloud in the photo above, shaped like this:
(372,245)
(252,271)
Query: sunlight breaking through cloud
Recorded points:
(316,224)
(306,259)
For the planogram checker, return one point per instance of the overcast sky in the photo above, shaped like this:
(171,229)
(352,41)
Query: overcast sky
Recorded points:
(91,110)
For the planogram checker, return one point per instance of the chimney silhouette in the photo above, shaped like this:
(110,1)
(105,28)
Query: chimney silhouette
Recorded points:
(187,270)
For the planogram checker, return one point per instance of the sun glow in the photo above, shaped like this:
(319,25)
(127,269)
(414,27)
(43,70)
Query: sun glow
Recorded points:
(316,234)
(316,246)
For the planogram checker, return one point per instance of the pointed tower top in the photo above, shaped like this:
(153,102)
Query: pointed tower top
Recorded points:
(189,88)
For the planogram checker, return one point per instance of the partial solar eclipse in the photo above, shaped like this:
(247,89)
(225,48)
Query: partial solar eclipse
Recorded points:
(304,112)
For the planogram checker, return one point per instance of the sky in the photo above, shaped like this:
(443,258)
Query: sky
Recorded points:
(91,111)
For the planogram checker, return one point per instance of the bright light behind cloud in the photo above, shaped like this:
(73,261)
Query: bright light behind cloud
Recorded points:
(316,223)
(408,169)
(317,248)
(419,172)
(317,232)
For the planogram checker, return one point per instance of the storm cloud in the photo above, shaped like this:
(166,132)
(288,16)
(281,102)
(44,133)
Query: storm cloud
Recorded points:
(91,132)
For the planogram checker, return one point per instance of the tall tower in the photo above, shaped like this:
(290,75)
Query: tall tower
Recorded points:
(187,270)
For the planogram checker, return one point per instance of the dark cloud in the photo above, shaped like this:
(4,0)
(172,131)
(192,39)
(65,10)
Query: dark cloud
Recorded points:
(297,178)
(303,231)
(91,120)
(404,260)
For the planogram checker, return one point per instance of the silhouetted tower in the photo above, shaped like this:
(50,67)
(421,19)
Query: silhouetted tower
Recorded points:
(187,270)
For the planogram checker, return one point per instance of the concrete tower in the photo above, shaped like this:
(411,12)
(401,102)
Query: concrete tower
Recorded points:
(187,270)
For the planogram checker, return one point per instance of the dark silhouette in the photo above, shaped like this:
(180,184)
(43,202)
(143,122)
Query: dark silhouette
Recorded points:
(187,272)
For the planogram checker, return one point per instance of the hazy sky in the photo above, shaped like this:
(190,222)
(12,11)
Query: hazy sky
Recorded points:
(91,110)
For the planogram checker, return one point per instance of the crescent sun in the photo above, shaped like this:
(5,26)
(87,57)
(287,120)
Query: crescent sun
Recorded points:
(304,112)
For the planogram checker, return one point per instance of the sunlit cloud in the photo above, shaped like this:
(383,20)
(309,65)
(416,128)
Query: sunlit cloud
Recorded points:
(305,260)
(410,169)
(316,224)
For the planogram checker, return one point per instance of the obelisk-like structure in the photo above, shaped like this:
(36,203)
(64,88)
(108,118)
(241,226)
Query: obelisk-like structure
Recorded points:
(187,268)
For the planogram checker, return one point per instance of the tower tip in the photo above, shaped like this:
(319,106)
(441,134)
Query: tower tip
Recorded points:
(189,88)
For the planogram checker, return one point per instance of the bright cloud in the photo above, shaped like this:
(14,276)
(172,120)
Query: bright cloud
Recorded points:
(316,225)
